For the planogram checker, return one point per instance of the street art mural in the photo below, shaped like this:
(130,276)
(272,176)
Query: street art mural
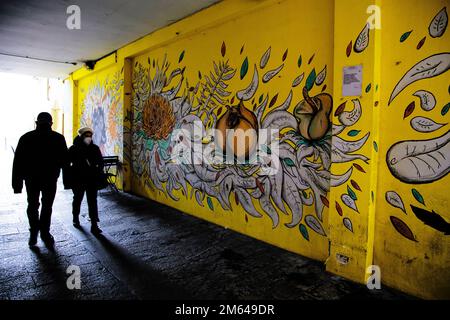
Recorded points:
(422,161)
(101,109)
(164,102)
(362,177)
(346,123)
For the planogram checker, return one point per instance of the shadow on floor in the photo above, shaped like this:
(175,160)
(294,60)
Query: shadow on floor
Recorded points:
(51,278)
(142,280)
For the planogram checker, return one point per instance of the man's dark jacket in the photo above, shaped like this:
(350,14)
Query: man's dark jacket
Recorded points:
(86,163)
(39,157)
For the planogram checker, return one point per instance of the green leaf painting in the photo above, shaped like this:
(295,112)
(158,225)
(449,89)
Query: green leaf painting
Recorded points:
(351,193)
(310,80)
(418,196)
(210,204)
(289,162)
(405,36)
(445,109)
(244,68)
(304,231)
(353,133)
(181,57)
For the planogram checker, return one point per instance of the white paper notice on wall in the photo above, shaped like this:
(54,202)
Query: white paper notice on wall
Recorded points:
(352,81)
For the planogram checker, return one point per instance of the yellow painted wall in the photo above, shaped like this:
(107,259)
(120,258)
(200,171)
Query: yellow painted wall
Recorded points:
(100,101)
(351,217)
(235,40)
(415,260)
(342,217)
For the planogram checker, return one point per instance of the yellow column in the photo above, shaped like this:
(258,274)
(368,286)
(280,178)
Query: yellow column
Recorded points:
(75,107)
(351,248)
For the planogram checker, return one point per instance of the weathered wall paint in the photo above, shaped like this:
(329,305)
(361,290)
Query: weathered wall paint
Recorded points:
(344,168)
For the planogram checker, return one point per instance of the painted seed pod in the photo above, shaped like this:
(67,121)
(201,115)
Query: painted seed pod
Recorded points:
(313,115)
(243,138)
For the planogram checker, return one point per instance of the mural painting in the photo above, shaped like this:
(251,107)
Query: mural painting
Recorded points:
(364,179)
(345,123)
(101,109)
(164,102)
(422,161)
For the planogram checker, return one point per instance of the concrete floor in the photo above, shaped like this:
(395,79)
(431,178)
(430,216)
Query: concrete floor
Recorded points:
(150,251)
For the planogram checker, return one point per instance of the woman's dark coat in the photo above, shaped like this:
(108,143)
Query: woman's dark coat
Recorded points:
(86,164)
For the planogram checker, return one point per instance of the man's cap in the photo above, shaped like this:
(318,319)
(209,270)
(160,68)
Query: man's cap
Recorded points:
(44,117)
(84,130)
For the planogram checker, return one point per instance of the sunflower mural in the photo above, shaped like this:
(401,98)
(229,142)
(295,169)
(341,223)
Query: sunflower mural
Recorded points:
(102,111)
(165,107)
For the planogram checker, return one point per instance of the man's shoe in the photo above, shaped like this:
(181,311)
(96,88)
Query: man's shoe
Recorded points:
(48,239)
(33,238)
(96,230)
(76,223)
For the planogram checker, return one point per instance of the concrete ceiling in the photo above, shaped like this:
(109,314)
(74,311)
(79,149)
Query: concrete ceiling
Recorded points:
(37,29)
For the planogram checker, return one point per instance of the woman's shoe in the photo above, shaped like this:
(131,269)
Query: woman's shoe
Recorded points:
(47,238)
(95,229)
(76,223)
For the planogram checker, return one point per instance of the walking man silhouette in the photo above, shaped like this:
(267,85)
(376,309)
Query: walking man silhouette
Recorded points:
(39,157)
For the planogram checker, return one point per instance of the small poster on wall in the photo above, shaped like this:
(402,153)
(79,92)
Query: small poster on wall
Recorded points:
(352,81)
